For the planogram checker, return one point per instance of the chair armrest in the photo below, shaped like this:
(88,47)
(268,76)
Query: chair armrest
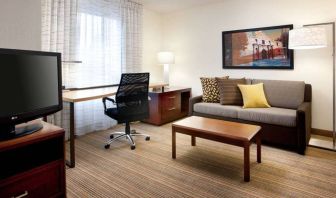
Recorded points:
(108,99)
(304,125)
(193,101)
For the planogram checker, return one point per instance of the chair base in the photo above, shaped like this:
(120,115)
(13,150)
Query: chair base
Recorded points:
(128,134)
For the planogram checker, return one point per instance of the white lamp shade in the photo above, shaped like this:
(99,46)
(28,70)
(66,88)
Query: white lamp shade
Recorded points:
(166,58)
(307,38)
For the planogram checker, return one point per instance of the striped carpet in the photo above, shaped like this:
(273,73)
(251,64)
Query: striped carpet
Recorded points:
(210,169)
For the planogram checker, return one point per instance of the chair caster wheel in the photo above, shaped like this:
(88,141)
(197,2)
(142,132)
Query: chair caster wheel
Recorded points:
(107,146)
(111,136)
(147,138)
(132,147)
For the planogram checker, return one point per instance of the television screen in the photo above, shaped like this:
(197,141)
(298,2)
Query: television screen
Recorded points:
(28,83)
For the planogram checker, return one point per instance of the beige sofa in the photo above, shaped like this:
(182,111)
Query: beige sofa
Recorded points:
(286,124)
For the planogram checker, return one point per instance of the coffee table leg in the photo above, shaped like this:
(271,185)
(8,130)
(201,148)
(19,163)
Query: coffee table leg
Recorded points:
(258,140)
(247,162)
(193,141)
(173,144)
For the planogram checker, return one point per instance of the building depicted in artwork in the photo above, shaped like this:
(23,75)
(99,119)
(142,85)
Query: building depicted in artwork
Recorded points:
(263,45)
(265,48)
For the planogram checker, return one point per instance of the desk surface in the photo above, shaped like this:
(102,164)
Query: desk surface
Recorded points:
(92,94)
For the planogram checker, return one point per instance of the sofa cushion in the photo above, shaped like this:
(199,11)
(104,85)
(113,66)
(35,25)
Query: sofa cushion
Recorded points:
(217,109)
(229,92)
(254,96)
(284,94)
(210,89)
(272,115)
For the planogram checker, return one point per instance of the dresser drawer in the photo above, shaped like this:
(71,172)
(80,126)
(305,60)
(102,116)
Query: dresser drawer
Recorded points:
(171,105)
(43,181)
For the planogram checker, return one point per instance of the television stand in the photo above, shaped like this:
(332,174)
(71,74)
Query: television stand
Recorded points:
(11,131)
(33,165)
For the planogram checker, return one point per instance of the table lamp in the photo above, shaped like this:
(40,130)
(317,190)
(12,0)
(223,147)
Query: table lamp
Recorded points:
(314,36)
(165,59)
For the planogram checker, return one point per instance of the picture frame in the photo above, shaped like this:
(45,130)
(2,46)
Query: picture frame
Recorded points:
(257,48)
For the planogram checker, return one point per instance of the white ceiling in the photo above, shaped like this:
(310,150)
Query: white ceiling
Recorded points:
(166,6)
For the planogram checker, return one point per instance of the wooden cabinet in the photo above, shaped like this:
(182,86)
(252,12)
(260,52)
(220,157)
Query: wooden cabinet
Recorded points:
(168,105)
(33,165)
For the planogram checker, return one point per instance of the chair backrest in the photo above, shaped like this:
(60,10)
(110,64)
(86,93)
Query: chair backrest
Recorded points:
(132,96)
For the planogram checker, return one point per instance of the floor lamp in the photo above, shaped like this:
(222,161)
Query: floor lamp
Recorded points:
(313,36)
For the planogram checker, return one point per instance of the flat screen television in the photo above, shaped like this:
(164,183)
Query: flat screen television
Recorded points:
(31,88)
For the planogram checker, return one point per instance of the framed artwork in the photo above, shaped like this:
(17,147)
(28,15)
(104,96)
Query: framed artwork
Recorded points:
(258,48)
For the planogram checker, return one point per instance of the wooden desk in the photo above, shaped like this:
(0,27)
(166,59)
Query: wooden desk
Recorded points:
(85,95)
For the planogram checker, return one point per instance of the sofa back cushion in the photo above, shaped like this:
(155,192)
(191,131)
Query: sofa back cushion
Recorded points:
(229,91)
(283,94)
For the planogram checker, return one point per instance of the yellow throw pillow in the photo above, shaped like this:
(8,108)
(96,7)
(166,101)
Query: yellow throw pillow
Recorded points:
(254,96)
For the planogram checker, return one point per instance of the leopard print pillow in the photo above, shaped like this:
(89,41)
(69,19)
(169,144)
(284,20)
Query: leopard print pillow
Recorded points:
(210,89)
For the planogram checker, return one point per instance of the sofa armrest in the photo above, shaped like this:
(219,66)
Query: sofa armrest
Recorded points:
(304,125)
(193,101)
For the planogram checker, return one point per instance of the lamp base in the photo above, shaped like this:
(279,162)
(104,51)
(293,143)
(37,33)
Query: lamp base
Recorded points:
(166,73)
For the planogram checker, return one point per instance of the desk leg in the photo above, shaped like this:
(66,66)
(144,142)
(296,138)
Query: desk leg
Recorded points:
(45,118)
(71,163)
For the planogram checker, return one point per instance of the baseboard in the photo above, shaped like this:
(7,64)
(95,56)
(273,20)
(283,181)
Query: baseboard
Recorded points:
(322,132)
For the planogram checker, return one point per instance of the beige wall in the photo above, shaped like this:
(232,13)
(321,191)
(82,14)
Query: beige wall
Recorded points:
(20,24)
(152,42)
(195,37)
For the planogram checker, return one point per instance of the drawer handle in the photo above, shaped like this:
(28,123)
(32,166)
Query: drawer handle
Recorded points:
(22,195)
(172,97)
(171,109)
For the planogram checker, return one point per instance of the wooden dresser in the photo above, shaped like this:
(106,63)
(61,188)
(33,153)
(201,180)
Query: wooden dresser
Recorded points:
(168,105)
(33,165)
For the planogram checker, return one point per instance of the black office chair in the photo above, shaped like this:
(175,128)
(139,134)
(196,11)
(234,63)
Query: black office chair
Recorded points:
(131,103)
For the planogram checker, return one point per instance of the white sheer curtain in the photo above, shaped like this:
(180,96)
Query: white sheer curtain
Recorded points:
(98,44)
(105,36)
(131,29)
(59,20)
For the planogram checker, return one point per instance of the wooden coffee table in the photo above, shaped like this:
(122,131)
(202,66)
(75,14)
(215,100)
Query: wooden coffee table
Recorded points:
(233,133)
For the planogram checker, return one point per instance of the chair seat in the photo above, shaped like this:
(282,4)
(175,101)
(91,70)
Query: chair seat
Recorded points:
(137,114)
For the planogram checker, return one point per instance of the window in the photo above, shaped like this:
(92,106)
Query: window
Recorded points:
(98,46)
